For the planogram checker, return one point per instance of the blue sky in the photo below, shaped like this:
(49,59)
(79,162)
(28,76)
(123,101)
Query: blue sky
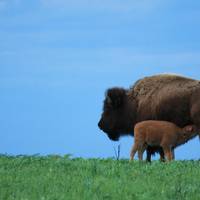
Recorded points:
(57,58)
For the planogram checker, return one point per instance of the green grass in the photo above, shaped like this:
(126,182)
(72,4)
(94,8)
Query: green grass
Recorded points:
(55,177)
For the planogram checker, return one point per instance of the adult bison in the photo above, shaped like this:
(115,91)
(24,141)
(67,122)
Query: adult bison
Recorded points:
(161,97)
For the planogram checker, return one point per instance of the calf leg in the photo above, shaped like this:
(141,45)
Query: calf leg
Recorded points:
(167,152)
(141,151)
(133,151)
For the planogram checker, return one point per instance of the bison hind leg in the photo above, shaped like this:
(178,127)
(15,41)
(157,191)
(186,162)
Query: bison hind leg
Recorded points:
(151,150)
(162,155)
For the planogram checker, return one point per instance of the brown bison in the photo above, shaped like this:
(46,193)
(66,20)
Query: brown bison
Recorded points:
(161,97)
(160,133)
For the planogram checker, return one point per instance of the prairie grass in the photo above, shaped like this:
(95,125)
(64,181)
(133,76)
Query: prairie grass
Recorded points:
(63,178)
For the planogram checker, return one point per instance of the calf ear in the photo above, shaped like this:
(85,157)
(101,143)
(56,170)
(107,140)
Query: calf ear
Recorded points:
(115,97)
(189,128)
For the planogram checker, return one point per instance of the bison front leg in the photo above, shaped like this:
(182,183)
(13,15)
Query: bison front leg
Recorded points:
(162,155)
(148,159)
(152,150)
(173,154)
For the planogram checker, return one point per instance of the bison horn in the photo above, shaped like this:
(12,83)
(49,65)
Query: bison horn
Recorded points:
(109,100)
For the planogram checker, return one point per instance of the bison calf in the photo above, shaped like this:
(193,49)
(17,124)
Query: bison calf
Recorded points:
(160,133)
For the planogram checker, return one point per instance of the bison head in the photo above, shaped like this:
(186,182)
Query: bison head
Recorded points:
(115,119)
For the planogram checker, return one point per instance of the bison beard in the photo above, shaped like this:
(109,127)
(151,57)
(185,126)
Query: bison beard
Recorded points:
(162,97)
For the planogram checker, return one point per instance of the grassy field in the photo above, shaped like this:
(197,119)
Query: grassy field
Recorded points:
(55,177)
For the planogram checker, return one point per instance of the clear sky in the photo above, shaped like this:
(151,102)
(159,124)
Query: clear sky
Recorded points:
(57,58)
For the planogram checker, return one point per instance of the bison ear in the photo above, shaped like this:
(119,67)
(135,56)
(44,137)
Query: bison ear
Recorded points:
(115,97)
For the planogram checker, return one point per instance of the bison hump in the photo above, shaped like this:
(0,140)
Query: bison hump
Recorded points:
(149,86)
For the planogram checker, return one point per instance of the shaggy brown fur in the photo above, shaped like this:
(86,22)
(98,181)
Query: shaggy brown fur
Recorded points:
(162,97)
(160,133)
